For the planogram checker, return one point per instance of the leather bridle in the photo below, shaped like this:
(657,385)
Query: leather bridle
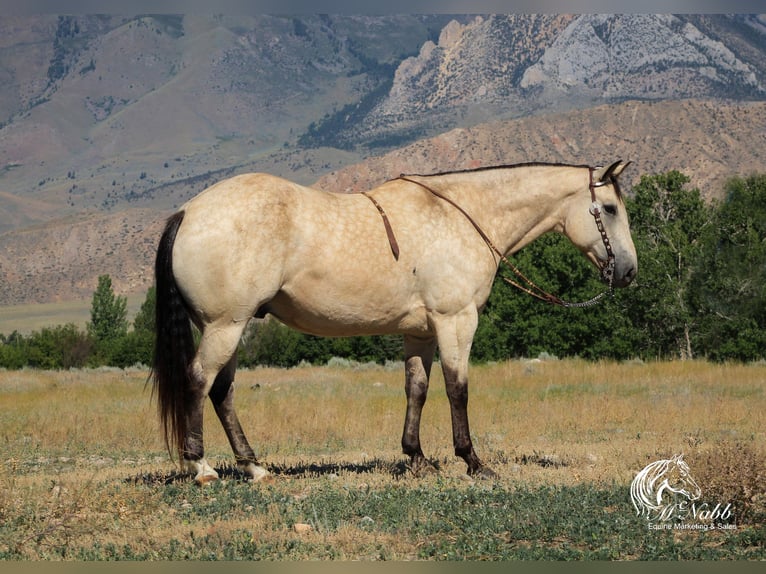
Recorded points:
(607,271)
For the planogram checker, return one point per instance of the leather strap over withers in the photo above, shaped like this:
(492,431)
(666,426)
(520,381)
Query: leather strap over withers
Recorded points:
(387,225)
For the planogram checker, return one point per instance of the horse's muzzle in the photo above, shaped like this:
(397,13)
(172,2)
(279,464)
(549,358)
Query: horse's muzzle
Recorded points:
(623,278)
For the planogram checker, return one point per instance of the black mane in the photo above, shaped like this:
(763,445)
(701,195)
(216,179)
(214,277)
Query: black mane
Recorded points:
(612,180)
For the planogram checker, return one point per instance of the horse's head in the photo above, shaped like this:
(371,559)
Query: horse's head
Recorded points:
(679,480)
(604,203)
(661,480)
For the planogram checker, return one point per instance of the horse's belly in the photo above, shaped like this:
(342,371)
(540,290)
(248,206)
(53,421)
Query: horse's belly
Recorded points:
(326,314)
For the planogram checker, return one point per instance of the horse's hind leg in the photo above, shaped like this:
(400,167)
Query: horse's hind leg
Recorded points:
(419,354)
(222,396)
(216,349)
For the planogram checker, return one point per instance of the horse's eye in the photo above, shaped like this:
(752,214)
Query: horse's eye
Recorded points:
(610,209)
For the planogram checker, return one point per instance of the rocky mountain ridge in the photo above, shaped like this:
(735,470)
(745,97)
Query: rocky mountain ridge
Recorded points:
(513,65)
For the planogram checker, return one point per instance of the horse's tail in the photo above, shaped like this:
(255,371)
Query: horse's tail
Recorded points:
(174,343)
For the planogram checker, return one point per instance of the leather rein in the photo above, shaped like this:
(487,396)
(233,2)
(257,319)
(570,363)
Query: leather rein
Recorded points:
(531,288)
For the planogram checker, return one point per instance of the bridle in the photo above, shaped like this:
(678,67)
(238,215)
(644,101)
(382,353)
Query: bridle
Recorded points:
(607,271)
(531,288)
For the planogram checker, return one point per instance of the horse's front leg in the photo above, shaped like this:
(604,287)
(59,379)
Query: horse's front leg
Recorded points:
(419,354)
(455,336)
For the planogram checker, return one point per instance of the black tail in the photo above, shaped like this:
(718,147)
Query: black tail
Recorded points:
(174,343)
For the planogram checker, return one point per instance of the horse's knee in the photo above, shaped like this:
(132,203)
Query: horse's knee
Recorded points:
(417,392)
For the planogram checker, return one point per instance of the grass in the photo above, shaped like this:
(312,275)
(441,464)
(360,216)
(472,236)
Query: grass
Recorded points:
(85,477)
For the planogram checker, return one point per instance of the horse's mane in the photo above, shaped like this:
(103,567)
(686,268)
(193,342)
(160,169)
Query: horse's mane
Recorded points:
(613,180)
(643,485)
(501,166)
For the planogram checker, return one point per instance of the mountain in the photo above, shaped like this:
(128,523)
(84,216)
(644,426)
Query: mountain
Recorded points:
(507,66)
(98,112)
(708,141)
(109,122)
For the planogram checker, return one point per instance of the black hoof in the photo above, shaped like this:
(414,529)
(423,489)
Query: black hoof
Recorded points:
(483,473)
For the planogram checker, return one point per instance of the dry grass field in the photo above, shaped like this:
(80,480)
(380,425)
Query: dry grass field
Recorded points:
(85,475)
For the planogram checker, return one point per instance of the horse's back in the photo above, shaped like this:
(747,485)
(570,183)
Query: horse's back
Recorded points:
(244,196)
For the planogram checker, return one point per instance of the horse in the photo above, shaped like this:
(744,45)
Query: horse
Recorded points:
(416,256)
(659,479)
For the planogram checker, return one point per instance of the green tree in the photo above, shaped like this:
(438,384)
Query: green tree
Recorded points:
(669,223)
(59,347)
(269,342)
(729,287)
(137,346)
(74,346)
(108,318)
(13,351)
(144,319)
(51,348)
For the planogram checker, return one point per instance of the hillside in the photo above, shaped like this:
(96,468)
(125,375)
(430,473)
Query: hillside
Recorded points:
(708,141)
(108,112)
(98,111)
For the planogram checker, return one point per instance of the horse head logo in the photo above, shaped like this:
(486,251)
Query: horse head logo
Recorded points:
(657,488)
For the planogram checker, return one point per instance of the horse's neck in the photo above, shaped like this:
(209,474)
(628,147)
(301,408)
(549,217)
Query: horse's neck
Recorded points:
(513,206)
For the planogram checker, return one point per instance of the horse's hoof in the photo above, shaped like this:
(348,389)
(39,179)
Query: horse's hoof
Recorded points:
(483,473)
(256,473)
(422,468)
(202,471)
(205,479)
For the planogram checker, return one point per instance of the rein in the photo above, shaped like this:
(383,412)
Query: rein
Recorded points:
(531,288)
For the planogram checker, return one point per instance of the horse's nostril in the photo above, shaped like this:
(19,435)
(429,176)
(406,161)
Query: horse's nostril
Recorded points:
(626,278)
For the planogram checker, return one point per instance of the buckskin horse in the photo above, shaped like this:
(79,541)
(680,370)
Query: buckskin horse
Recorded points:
(416,256)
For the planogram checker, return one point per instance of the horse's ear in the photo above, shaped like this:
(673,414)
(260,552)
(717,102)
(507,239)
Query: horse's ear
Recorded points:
(602,174)
(619,167)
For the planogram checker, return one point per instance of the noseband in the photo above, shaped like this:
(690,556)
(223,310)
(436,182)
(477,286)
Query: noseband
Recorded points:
(607,271)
